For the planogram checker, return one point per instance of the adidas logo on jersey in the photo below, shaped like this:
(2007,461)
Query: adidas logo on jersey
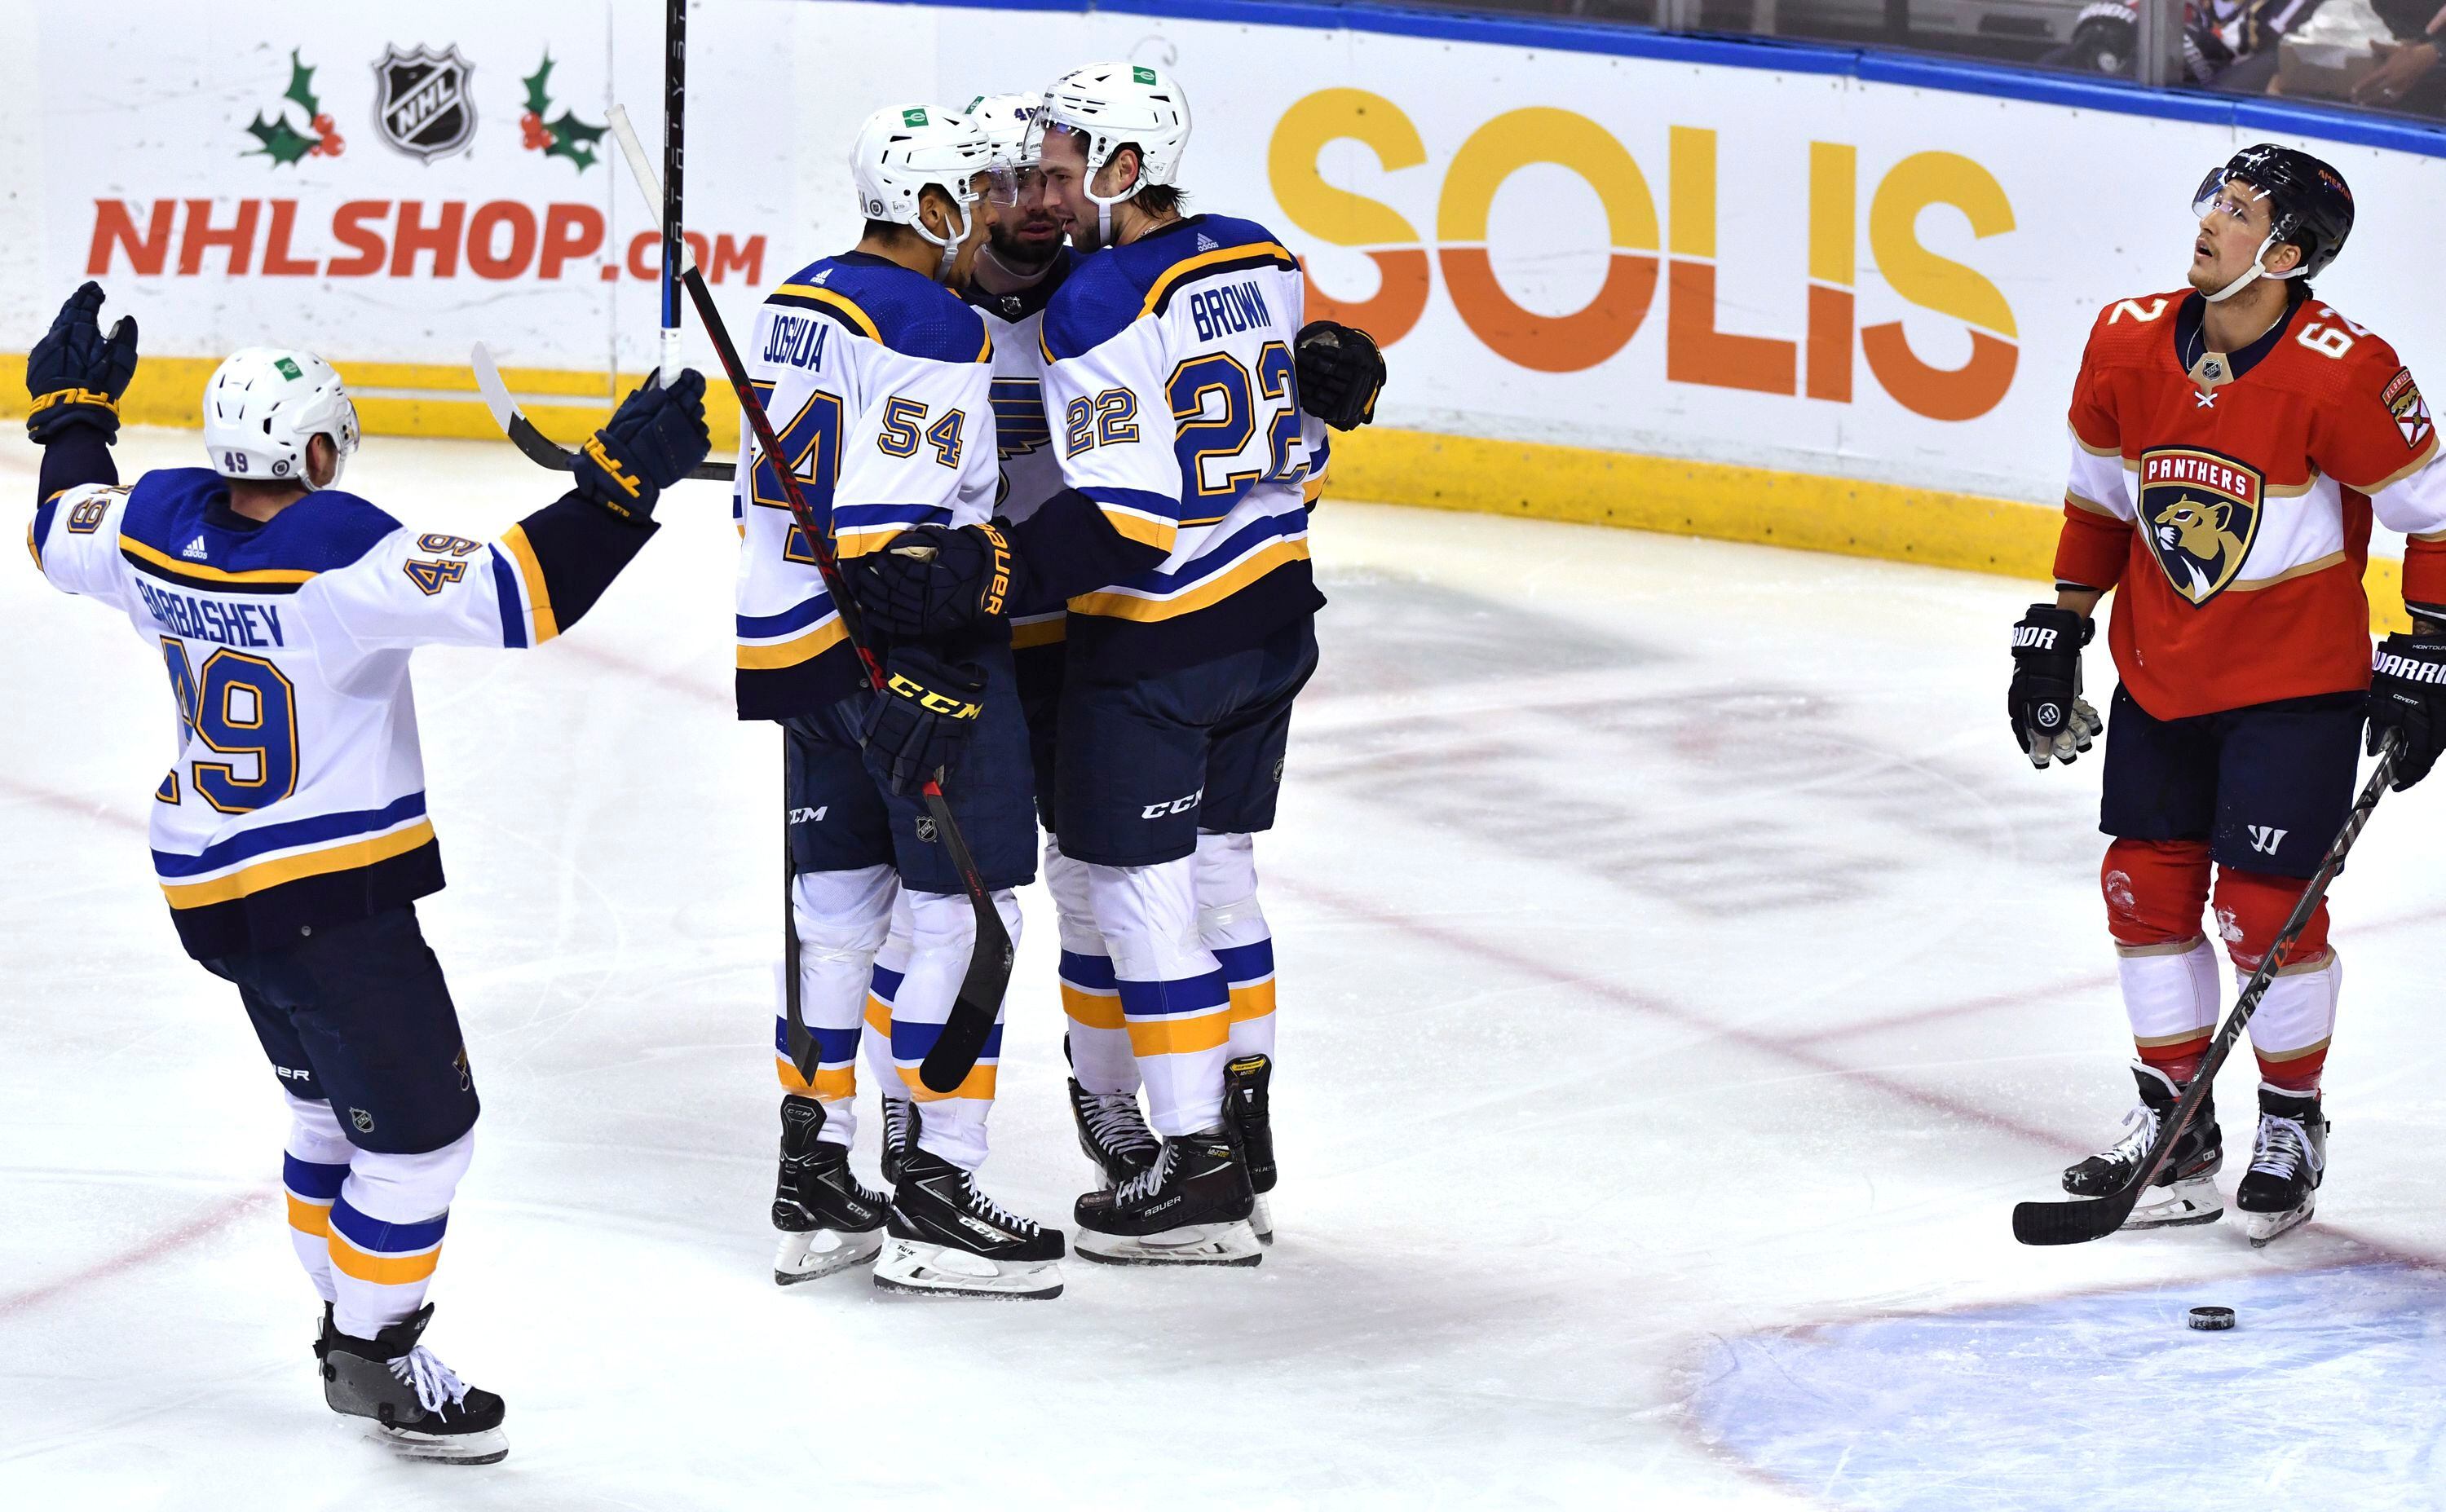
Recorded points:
(194,552)
(1206,243)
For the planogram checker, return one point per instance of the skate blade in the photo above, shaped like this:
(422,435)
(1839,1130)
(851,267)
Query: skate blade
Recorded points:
(1197,1244)
(2265,1228)
(1262,1220)
(2184,1204)
(490,1446)
(822,1251)
(912,1268)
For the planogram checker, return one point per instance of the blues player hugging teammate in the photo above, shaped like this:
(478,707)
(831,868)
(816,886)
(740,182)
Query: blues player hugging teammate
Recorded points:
(1177,541)
(2232,443)
(291,836)
(877,379)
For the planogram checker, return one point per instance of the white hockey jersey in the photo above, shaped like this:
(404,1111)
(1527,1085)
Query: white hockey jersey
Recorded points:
(879,386)
(1171,383)
(298,795)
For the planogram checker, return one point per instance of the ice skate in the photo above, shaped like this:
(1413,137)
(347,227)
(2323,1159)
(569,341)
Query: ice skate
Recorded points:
(828,1222)
(2287,1162)
(946,1238)
(1246,1081)
(2185,1192)
(1191,1207)
(1112,1133)
(901,1123)
(419,1405)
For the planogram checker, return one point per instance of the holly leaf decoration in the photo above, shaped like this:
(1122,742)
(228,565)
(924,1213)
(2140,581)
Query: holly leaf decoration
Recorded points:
(301,87)
(574,140)
(539,90)
(282,142)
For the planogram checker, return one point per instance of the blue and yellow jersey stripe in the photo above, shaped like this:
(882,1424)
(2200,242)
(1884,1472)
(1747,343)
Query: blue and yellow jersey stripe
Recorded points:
(274,855)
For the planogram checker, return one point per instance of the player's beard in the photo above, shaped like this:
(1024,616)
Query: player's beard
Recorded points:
(1023,256)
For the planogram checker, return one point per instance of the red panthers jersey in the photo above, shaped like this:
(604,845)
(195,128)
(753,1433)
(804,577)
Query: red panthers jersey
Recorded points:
(2228,498)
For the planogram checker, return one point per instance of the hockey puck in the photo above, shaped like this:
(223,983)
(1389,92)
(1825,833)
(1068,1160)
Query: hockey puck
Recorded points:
(2211,1319)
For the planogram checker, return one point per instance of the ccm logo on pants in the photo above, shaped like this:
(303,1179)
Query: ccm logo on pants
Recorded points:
(1158,810)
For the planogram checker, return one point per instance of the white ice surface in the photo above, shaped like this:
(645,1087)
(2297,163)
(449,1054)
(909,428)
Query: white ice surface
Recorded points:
(1681,979)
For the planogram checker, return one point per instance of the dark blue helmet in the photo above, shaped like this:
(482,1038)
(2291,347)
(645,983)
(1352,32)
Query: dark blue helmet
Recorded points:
(2308,203)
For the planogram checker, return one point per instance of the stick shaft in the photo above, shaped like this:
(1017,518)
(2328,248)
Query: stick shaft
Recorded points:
(674,164)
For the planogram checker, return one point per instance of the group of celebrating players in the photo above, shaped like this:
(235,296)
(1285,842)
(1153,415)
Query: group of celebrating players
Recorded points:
(1061,437)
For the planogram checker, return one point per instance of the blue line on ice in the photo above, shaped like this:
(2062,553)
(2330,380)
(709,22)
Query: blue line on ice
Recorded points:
(2332,1379)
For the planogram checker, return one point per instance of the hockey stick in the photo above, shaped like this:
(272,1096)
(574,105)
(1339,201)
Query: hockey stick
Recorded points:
(541,449)
(2085,1218)
(979,1003)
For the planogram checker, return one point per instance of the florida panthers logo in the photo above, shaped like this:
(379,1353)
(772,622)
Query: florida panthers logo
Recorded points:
(2200,512)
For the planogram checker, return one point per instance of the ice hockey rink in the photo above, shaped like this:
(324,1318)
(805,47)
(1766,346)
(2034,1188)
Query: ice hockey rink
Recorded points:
(1681,979)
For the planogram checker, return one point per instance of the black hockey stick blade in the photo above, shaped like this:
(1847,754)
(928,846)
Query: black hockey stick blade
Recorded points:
(2072,1223)
(537,447)
(974,1014)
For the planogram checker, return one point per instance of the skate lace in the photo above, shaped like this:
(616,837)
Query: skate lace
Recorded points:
(2140,1131)
(1146,1183)
(993,1212)
(435,1382)
(896,1120)
(1113,1118)
(2283,1148)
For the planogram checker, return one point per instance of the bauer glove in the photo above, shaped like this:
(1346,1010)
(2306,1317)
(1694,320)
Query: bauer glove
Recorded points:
(75,373)
(2408,694)
(653,440)
(1341,372)
(2051,720)
(934,581)
(927,709)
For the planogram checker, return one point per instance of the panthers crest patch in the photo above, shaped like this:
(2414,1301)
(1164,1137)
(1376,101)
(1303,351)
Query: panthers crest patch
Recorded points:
(2402,399)
(2200,512)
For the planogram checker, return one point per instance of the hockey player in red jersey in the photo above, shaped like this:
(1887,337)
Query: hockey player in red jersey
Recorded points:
(2233,443)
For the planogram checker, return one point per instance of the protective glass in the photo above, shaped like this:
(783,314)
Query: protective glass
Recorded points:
(2223,192)
(997,186)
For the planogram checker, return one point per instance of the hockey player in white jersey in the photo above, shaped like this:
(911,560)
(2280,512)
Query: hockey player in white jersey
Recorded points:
(1180,544)
(291,836)
(879,381)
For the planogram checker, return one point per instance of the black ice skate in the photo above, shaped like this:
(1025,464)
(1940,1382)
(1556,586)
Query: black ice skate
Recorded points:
(947,1238)
(901,1122)
(828,1222)
(2287,1162)
(1191,1207)
(1113,1132)
(1245,1083)
(2185,1192)
(418,1406)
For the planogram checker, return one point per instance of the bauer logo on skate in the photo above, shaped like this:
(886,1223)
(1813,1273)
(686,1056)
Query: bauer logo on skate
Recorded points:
(2201,514)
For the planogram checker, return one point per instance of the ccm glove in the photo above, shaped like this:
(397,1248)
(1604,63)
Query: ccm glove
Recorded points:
(936,580)
(75,373)
(924,714)
(2408,694)
(1341,372)
(654,438)
(2050,717)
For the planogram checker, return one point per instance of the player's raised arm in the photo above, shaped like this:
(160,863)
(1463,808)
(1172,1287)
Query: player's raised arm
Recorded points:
(543,573)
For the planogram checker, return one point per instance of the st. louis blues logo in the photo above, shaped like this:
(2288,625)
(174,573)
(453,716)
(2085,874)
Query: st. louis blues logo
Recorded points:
(2199,513)
(1020,425)
(421,105)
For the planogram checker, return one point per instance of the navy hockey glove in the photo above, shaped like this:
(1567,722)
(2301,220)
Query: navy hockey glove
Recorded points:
(934,582)
(927,709)
(2408,693)
(2050,717)
(75,373)
(1341,372)
(653,440)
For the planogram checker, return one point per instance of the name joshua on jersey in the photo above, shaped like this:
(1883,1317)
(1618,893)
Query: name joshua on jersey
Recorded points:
(247,624)
(796,340)
(1234,308)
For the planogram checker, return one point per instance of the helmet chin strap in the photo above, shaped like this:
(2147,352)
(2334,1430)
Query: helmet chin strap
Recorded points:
(951,250)
(2257,270)
(1104,206)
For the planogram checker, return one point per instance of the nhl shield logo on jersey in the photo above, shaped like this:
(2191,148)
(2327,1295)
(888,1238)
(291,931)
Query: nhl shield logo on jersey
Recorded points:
(421,105)
(2200,512)
(2402,399)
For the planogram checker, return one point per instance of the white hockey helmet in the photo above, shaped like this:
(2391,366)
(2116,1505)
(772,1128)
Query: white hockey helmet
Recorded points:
(1008,119)
(1111,106)
(902,149)
(264,403)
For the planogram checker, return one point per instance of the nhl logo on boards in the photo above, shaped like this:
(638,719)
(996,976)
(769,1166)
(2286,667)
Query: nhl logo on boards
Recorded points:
(2200,512)
(421,105)
(2403,398)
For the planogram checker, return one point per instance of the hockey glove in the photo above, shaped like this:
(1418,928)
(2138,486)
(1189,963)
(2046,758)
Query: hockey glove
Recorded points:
(653,440)
(2050,717)
(934,582)
(75,373)
(927,709)
(2408,693)
(1341,372)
